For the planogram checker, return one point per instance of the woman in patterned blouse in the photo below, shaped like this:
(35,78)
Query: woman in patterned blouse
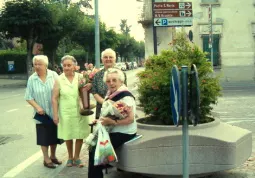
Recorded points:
(99,88)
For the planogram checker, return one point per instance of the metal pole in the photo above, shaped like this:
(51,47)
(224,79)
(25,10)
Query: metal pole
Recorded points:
(185,129)
(211,33)
(97,42)
(154,30)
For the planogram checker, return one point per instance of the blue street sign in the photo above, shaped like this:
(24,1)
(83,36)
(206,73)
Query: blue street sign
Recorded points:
(194,96)
(164,21)
(175,95)
(10,67)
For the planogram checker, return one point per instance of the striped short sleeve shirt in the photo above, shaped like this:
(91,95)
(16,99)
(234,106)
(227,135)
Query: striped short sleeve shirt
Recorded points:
(41,92)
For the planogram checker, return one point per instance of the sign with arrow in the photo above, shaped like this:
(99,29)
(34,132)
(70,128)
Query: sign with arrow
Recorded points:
(167,14)
(174,22)
(174,13)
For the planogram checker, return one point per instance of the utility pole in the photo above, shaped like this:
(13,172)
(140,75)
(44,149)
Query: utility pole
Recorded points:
(210,32)
(154,30)
(97,42)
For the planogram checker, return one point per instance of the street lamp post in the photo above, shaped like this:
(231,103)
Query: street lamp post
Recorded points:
(97,37)
(210,32)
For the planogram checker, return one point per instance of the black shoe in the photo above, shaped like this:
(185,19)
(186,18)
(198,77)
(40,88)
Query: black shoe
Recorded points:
(49,165)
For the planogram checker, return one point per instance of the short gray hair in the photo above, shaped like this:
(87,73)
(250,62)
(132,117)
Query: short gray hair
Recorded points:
(42,58)
(108,50)
(114,70)
(68,57)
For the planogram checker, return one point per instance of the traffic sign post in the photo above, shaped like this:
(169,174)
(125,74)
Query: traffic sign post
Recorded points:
(184,106)
(175,94)
(167,14)
(185,129)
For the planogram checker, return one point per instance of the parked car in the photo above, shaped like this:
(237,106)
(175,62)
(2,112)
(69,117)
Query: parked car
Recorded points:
(135,65)
(121,66)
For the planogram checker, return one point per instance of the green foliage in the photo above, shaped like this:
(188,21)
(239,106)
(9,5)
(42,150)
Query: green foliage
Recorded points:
(12,55)
(124,27)
(65,22)
(79,55)
(25,19)
(154,85)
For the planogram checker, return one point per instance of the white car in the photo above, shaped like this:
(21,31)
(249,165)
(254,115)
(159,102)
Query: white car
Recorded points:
(135,65)
(121,66)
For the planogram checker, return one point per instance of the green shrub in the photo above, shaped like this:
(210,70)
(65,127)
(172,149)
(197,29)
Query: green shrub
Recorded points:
(154,81)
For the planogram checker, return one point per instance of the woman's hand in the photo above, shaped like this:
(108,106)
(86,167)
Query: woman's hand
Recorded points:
(56,120)
(87,87)
(40,111)
(107,121)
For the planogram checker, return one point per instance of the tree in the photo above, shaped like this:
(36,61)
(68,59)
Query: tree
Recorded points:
(85,36)
(65,22)
(124,27)
(109,38)
(27,20)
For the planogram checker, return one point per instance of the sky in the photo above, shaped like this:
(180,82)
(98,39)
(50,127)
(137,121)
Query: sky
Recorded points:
(112,11)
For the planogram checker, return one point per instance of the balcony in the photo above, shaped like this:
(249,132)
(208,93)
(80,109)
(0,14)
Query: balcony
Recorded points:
(145,15)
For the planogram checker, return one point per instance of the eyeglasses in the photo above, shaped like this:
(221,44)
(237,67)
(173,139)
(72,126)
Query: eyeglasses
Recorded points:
(108,57)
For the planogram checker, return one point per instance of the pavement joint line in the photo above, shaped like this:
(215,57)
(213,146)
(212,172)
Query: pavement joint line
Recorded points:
(12,110)
(19,168)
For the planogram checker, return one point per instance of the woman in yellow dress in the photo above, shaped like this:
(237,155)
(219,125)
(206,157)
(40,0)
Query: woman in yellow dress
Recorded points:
(66,111)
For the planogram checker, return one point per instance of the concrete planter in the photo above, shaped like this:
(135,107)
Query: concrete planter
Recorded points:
(214,147)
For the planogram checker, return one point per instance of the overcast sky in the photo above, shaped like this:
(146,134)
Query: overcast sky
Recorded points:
(112,11)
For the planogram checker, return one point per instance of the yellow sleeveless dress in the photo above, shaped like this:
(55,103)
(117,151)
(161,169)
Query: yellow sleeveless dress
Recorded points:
(71,124)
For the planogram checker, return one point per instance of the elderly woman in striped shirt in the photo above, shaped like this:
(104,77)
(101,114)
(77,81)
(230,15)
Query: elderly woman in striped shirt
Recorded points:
(38,95)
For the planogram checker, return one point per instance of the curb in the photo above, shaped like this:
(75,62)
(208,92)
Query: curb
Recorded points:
(21,84)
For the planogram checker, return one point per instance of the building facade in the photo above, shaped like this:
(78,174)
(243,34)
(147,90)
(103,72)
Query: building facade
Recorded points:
(233,29)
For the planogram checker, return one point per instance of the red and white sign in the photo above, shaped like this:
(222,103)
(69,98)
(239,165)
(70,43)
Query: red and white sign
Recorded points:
(172,13)
(172,5)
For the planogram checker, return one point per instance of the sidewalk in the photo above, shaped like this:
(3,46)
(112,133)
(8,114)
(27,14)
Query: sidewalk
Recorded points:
(247,170)
(8,83)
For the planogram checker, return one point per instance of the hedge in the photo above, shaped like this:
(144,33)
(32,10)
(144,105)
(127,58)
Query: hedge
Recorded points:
(19,58)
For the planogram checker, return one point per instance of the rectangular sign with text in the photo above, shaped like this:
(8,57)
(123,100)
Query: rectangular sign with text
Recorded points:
(169,14)
(173,13)
(171,22)
(172,5)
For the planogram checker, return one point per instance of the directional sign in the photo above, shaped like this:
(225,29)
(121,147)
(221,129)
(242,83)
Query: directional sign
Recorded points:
(187,21)
(173,13)
(172,5)
(194,102)
(169,14)
(175,95)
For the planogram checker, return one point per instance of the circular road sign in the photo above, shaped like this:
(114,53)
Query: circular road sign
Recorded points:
(175,95)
